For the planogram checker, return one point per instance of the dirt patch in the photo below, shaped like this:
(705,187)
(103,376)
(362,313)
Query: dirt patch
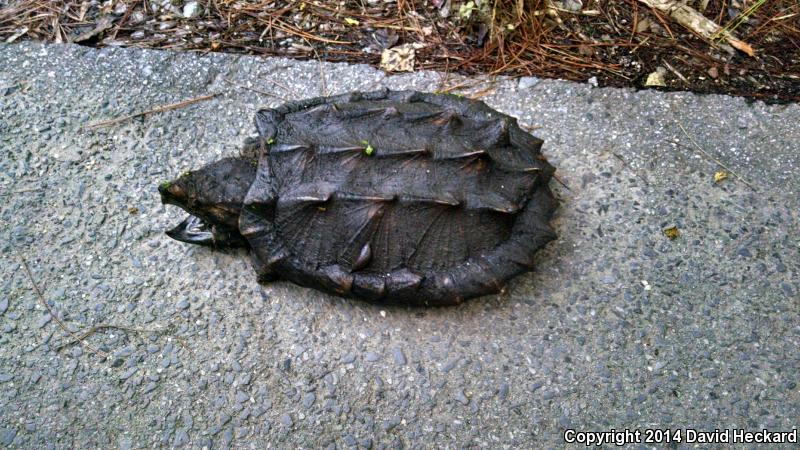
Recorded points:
(607,42)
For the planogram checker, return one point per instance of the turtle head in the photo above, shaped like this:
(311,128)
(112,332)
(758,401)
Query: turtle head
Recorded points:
(213,197)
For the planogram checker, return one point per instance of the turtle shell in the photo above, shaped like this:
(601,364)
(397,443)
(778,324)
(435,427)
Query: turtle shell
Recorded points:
(396,196)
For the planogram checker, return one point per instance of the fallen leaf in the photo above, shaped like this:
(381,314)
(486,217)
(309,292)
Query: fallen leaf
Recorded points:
(720,175)
(350,21)
(656,78)
(398,59)
(671,232)
(643,25)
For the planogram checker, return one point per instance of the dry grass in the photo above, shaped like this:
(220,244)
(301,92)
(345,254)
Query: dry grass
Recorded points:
(617,41)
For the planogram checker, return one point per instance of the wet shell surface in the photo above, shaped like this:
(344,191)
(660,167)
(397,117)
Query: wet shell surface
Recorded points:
(389,196)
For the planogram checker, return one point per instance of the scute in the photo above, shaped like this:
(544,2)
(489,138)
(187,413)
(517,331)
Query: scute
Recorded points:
(452,202)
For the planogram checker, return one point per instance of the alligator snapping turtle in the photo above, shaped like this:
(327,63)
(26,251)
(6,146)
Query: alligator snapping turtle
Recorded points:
(390,196)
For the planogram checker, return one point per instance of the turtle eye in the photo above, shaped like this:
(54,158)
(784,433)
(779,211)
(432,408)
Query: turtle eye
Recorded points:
(171,193)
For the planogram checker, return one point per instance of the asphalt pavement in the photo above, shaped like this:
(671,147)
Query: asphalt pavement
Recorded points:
(618,327)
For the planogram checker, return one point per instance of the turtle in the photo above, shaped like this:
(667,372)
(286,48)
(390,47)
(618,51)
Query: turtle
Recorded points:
(388,196)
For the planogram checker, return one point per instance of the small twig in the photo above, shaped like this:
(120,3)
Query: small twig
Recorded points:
(482,93)
(673,70)
(53,314)
(122,230)
(22,191)
(641,43)
(444,77)
(376,83)
(241,86)
(104,326)
(561,182)
(81,338)
(324,86)
(707,155)
(159,109)
(627,166)
(284,87)
(693,20)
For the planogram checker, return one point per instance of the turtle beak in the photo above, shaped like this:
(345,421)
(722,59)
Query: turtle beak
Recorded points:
(193,231)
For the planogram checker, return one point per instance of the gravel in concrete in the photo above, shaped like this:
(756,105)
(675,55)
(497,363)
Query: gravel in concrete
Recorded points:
(619,327)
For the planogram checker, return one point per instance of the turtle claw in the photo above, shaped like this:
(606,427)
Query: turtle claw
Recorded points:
(194,231)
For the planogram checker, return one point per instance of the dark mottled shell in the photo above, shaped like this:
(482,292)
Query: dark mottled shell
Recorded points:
(451,201)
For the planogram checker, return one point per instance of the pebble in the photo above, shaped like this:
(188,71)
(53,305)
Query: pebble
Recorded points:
(3,305)
(245,379)
(348,358)
(44,320)
(242,397)
(227,436)
(460,397)
(181,437)
(124,443)
(399,356)
(5,377)
(191,10)
(8,436)
(286,420)
(528,82)
(372,357)
(502,392)
(390,424)
(308,399)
